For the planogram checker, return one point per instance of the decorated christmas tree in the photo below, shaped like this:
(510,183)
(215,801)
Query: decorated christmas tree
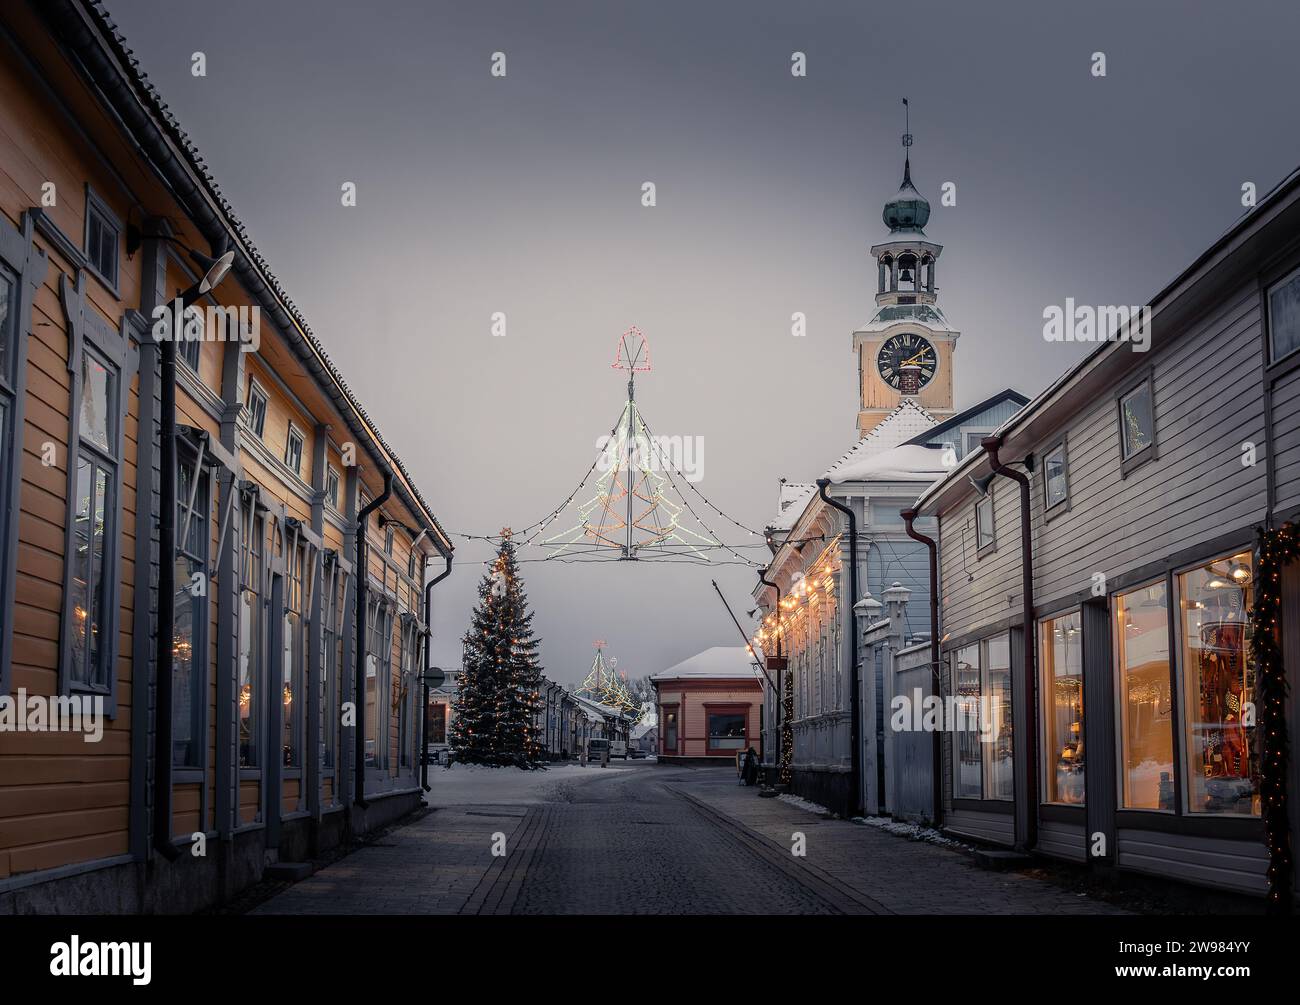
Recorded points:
(500,679)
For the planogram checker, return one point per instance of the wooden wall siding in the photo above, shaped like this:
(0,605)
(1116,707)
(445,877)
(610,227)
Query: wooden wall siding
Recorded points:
(1208,401)
(62,800)
(280,412)
(1239,866)
(1286,442)
(1062,840)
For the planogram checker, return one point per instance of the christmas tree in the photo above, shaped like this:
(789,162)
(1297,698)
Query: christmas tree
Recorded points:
(500,679)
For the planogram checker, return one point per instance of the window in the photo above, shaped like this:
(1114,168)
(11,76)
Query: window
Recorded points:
(726,730)
(984,533)
(1060,647)
(333,610)
(1284,316)
(388,540)
(975,440)
(8,319)
(437,722)
(1218,675)
(996,720)
(982,747)
(1145,700)
(410,646)
(379,668)
(189,619)
(102,230)
(1136,423)
(256,406)
(670,732)
(1056,486)
(94,527)
(191,344)
(967,781)
(250,639)
(332,488)
(293,450)
(293,670)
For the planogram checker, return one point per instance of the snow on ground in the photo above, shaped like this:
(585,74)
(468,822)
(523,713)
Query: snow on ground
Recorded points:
(470,784)
(913,832)
(803,804)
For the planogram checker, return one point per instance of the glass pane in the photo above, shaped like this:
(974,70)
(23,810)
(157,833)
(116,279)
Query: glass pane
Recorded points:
(97,400)
(995,725)
(1284,316)
(984,522)
(1219,677)
(1054,473)
(1061,652)
(1135,408)
(1145,701)
(185,690)
(727,731)
(100,591)
(291,690)
(8,308)
(968,775)
(79,600)
(249,634)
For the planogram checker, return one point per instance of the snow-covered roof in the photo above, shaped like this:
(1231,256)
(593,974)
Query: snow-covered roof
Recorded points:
(907,463)
(718,663)
(907,421)
(793,498)
(641,729)
(596,708)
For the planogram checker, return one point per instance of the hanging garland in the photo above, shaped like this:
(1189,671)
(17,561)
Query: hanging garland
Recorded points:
(1274,549)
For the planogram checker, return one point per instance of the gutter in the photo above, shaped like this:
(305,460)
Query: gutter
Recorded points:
(855,698)
(428,635)
(1029,835)
(931,545)
(363,587)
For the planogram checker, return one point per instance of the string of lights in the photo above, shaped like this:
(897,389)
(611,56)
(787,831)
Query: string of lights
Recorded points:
(1274,549)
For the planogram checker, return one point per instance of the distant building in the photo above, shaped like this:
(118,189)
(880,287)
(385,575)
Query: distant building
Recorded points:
(709,706)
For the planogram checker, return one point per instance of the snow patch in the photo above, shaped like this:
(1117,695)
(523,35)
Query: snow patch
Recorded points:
(913,832)
(800,803)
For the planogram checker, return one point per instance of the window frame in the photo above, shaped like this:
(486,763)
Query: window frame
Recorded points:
(1291,354)
(89,332)
(1117,681)
(97,207)
(301,437)
(199,610)
(1047,707)
(953,661)
(1128,463)
(1182,718)
(255,387)
(725,708)
(1062,505)
(332,475)
(27,265)
(183,343)
(992,546)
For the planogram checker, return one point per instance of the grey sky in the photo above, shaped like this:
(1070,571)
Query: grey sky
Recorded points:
(522,195)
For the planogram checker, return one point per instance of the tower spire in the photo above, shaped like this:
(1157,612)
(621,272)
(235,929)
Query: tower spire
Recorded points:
(907,142)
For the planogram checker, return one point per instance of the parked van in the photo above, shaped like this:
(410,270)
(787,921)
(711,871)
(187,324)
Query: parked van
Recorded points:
(596,746)
(618,748)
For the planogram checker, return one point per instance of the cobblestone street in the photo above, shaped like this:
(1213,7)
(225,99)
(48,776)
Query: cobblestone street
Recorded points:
(640,839)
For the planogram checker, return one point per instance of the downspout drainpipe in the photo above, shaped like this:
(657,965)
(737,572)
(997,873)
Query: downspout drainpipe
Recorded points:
(428,654)
(855,699)
(359,753)
(991,445)
(163,657)
(162,749)
(780,683)
(937,754)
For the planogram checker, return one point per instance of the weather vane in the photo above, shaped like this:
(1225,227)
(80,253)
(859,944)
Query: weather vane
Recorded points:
(907,124)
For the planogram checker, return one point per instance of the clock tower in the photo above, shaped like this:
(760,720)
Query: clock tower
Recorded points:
(906,349)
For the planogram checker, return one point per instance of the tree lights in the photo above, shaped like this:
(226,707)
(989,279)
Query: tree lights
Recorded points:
(1275,548)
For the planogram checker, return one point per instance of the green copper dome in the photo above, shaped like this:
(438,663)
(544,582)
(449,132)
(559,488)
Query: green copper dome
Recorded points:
(908,210)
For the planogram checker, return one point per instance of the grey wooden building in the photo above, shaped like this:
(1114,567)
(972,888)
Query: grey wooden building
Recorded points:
(1125,728)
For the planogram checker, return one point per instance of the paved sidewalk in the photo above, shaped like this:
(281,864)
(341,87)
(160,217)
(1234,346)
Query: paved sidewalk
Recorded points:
(904,876)
(431,866)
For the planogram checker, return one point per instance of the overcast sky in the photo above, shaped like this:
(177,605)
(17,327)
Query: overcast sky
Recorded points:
(522,194)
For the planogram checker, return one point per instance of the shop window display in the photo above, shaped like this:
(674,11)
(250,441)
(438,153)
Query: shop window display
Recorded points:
(1222,759)
(1145,698)
(1061,649)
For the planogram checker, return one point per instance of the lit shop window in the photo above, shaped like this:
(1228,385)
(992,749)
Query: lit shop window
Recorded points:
(1145,698)
(1219,687)
(1061,654)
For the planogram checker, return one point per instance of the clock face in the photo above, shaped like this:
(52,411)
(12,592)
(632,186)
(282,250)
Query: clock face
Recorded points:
(906,348)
